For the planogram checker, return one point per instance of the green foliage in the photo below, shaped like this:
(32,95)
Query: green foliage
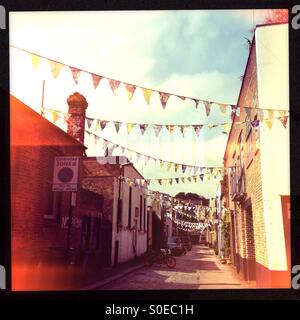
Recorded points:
(226,232)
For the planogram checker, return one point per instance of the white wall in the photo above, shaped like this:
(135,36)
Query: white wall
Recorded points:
(125,235)
(273,93)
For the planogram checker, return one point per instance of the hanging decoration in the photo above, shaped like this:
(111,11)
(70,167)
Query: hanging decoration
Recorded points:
(56,67)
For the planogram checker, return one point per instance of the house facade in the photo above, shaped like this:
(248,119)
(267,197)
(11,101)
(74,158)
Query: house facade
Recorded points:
(257,153)
(38,215)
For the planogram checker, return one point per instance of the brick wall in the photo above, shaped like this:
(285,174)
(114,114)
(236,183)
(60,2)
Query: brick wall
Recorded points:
(250,238)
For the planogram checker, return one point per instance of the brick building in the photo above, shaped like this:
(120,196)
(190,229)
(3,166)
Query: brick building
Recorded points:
(39,236)
(258,184)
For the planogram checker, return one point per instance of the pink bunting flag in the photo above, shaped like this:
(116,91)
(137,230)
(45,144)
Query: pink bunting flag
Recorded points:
(75,74)
(284,118)
(164,97)
(197,129)
(114,85)
(130,88)
(96,80)
(207,105)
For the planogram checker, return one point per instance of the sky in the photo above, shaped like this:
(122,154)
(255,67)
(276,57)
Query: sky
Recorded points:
(194,53)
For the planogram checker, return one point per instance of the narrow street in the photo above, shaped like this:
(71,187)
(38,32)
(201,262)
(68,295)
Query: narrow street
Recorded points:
(198,269)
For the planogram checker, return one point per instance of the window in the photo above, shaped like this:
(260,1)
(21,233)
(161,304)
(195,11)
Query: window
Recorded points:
(141,211)
(144,214)
(129,207)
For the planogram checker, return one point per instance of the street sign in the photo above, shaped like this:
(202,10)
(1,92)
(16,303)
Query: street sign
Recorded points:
(65,175)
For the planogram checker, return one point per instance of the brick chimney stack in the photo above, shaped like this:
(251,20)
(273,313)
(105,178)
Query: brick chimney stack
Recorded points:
(76,122)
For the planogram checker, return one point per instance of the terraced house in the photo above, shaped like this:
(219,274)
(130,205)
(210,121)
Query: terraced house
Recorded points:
(258,186)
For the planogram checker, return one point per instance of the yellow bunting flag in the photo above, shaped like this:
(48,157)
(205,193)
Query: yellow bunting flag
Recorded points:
(169,166)
(130,90)
(161,163)
(223,107)
(182,180)
(55,116)
(55,68)
(129,127)
(36,60)
(176,166)
(147,94)
(269,121)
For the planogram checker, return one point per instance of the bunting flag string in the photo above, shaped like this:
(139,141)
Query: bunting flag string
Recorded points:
(169,164)
(56,67)
(282,117)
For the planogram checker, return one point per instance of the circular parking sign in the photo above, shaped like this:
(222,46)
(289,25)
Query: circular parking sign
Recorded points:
(65,174)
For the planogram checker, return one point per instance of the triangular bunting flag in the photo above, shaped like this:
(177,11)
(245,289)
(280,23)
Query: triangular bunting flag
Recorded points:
(170,128)
(89,122)
(207,105)
(130,90)
(196,102)
(96,80)
(143,128)
(284,120)
(189,179)
(138,155)
(146,159)
(75,74)
(36,60)
(183,168)
(103,124)
(171,181)
(176,166)
(55,68)
(114,85)
(222,107)
(169,166)
(269,121)
(159,181)
(195,178)
(117,126)
(177,180)
(182,129)
(201,176)
(156,129)
(182,179)
(55,116)
(197,129)
(196,170)
(161,163)
(129,127)
(164,97)
(147,94)
(181,97)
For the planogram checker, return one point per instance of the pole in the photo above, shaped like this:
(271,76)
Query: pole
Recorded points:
(43,93)
(69,224)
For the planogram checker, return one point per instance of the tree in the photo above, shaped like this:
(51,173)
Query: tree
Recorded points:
(277,16)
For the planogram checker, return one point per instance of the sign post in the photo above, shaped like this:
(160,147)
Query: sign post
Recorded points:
(65,178)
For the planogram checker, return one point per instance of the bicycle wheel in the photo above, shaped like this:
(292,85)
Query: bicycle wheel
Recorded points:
(171,262)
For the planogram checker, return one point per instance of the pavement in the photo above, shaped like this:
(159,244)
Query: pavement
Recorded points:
(198,269)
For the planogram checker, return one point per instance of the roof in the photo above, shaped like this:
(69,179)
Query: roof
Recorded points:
(96,166)
(28,128)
